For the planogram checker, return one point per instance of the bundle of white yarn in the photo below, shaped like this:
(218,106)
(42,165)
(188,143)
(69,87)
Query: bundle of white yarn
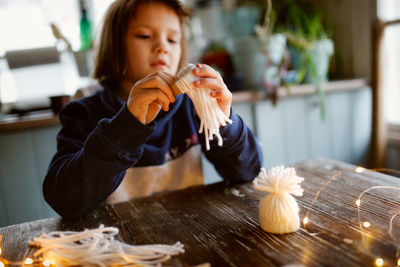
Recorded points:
(97,247)
(279,211)
(211,116)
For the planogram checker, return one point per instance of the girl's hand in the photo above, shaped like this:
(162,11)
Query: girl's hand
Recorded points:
(210,78)
(149,95)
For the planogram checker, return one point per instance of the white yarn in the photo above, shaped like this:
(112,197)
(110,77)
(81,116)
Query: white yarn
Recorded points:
(279,211)
(211,116)
(97,247)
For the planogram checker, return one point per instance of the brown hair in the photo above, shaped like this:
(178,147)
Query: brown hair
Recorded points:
(110,60)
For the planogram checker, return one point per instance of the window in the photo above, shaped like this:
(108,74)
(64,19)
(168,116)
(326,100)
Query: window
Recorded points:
(390,10)
(25,24)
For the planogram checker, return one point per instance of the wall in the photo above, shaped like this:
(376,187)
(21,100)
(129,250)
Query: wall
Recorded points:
(352,21)
(24,158)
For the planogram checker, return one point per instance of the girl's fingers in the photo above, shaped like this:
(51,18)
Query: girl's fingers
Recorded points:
(149,96)
(155,81)
(208,78)
(216,94)
(210,83)
(203,70)
(152,111)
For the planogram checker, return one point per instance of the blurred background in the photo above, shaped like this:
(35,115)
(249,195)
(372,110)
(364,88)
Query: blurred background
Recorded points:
(311,78)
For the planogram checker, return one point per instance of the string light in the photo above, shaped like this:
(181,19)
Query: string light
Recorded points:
(305,221)
(46,263)
(379,262)
(1,251)
(28,261)
(366,224)
(360,170)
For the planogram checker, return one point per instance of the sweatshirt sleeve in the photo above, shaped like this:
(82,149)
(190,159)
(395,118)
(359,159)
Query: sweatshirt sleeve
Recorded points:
(91,163)
(240,158)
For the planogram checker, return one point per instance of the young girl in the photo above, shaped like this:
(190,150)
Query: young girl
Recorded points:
(134,137)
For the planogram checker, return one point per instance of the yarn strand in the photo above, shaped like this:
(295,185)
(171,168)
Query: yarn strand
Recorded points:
(97,247)
(211,116)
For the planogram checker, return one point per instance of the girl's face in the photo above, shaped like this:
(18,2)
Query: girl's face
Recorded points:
(152,41)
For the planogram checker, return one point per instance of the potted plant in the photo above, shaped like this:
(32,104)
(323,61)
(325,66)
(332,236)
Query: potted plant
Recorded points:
(243,44)
(309,44)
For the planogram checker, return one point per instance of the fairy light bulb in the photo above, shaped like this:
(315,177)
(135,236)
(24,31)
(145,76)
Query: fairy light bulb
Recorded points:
(379,262)
(28,261)
(1,264)
(1,251)
(398,262)
(46,263)
(358,202)
(360,169)
(366,224)
(305,220)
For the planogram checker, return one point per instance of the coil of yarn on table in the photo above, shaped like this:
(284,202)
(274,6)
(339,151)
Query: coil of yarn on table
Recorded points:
(279,211)
(211,116)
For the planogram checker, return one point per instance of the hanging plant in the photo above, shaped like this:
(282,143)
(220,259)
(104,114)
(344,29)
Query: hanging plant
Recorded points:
(309,45)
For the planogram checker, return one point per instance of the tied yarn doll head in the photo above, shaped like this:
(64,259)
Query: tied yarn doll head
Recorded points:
(207,108)
(279,211)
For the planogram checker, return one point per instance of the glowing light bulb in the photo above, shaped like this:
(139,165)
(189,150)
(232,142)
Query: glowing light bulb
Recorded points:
(305,220)
(28,261)
(366,224)
(1,264)
(358,202)
(46,263)
(398,262)
(379,262)
(360,169)
(1,251)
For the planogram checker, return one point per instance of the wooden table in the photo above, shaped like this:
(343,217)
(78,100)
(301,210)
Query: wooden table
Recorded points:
(218,223)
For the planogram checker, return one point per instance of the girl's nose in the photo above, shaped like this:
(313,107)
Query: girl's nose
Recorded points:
(161,47)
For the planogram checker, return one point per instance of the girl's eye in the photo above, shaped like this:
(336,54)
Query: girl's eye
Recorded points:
(143,36)
(172,41)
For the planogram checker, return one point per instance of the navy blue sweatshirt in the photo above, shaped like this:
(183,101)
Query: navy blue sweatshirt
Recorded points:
(100,140)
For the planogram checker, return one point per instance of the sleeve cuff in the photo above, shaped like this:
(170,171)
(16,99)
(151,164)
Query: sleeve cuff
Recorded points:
(124,130)
(231,132)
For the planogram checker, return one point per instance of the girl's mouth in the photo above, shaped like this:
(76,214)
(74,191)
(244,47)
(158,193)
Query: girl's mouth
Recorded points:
(159,64)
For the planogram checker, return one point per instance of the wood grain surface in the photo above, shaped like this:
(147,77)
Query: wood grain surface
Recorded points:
(218,223)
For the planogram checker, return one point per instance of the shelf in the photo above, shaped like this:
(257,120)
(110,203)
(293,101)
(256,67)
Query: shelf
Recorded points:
(301,90)
(34,119)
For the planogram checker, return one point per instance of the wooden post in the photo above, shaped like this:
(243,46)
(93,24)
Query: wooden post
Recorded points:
(378,142)
(379,128)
